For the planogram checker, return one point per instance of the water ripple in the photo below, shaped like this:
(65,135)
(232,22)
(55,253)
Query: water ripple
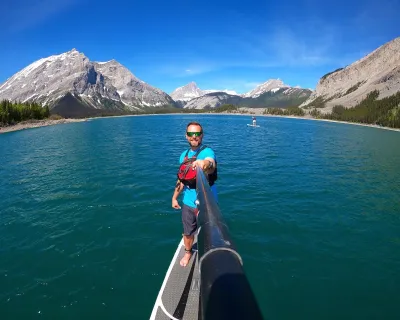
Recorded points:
(86,220)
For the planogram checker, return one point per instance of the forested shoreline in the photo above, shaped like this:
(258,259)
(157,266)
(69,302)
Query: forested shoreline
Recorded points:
(15,112)
(383,112)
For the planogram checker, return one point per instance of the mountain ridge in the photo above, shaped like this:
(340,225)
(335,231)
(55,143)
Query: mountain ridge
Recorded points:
(379,70)
(192,97)
(191,91)
(283,97)
(94,85)
(71,81)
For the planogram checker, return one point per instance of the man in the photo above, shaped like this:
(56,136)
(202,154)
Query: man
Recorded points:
(254,121)
(205,160)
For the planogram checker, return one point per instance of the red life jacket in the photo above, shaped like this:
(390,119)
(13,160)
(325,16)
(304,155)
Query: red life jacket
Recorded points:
(187,174)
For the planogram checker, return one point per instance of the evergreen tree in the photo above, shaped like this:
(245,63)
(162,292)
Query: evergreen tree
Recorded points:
(11,113)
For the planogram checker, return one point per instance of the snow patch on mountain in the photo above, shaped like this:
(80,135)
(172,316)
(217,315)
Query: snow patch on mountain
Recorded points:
(270,85)
(192,91)
(101,85)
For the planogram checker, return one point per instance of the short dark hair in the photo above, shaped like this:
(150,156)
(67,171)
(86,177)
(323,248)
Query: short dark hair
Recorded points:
(194,123)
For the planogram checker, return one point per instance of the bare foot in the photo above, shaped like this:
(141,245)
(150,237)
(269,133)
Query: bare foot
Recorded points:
(185,260)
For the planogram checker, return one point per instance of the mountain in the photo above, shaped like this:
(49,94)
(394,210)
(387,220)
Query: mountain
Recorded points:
(187,92)
(283,97)
(231,92)
(270,85)
(212,100)
(183,95)
(277,97)
(132,91)
(72,85)
(272,93)
(379,70)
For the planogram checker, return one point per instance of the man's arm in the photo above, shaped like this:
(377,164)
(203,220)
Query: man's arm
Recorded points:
(209,165)
(178,189)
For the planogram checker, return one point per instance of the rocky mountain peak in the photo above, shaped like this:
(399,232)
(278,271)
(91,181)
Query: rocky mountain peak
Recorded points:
(379,70)
(187,92)
(269,85)
(95,85)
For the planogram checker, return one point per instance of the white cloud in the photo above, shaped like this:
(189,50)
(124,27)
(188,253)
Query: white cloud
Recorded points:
(286,47)
(251,84)
(306,44)
(313,45)
(175,69)
(232,84)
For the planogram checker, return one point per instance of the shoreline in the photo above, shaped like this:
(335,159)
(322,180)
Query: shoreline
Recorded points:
(264,115)
(30,124)
(334,121)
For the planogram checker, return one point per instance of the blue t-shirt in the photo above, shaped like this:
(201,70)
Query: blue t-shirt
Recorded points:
(190,195)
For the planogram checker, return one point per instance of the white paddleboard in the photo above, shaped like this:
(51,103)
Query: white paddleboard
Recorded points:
(180,291)
(252,125)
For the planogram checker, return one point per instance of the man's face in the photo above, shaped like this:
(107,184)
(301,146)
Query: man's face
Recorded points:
(192,135)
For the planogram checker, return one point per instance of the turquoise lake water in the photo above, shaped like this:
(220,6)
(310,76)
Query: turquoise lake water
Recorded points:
(87,230)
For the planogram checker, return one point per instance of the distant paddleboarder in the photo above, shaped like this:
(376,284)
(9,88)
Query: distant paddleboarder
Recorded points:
(197,155)
(254,121)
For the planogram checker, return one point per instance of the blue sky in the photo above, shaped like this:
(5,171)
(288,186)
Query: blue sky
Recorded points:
(218,44)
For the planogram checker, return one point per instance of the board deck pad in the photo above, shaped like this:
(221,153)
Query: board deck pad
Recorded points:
(180,295)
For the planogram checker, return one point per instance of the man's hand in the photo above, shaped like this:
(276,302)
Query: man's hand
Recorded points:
(175,204)
(202,164)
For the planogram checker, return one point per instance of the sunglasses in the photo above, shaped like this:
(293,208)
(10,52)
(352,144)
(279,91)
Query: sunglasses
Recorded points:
(194,134)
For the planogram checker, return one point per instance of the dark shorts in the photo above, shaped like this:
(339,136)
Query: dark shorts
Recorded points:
(189,220)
